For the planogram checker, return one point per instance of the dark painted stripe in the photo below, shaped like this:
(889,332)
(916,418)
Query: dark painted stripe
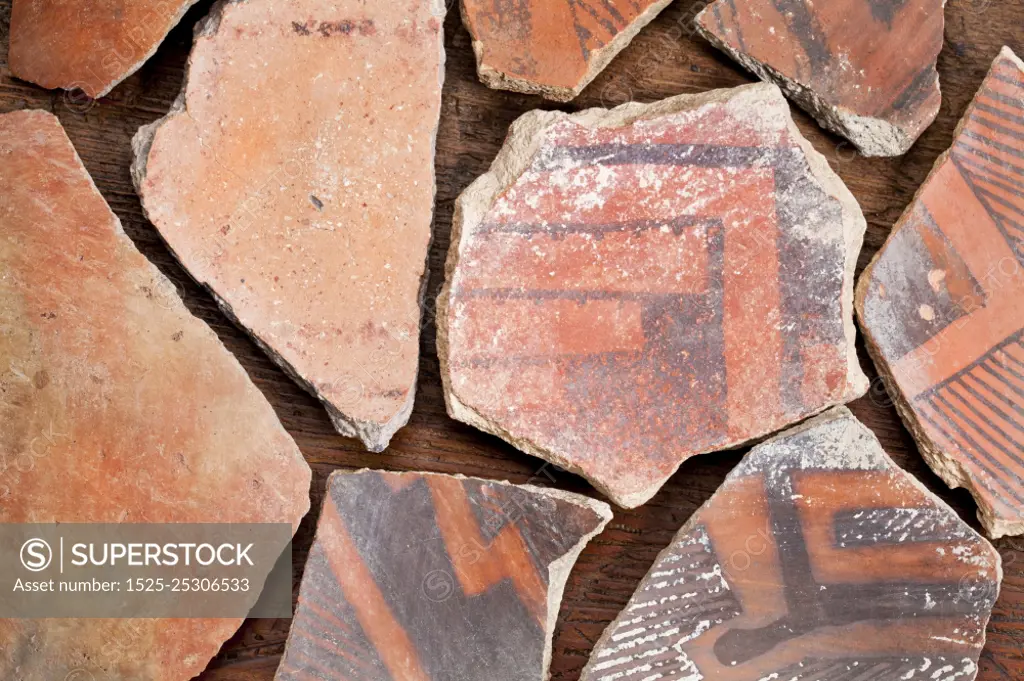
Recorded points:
(1013,338)
(991,406)
(992,125)
(678,225)
(983,419)
(1014,495)
(1005,148)
(996,111)
(967,421)
(703,155)
(963,146)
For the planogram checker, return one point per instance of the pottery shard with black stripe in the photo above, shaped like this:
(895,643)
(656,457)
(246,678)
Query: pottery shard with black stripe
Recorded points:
(425,577)
(818,559)
(865,69)
(629,288)
(942,305)
(554,48)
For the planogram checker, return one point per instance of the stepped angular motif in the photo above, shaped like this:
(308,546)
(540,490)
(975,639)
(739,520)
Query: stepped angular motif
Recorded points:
(294,178)
(87,45)
(116,406)
(942,305)
(818,559)
(865,69)
(423,577)
(552,48)
(629,288)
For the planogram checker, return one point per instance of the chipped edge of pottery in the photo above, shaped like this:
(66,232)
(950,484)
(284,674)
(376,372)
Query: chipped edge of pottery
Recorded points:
(374,436)
(872,136)
(524,139)
(839,412)
(499,80)
(949,468)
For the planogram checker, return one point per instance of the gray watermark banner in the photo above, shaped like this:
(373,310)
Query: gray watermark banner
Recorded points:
(145,570)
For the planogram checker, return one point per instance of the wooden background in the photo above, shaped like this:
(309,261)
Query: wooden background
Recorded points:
(666,59)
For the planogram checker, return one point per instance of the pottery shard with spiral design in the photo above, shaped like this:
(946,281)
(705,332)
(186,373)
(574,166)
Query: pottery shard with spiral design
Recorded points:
(294,178)
(551,47)
(116,406)
(942,305)
(629,288)
(865,69)
(425,577)
(87,45)
(818,559)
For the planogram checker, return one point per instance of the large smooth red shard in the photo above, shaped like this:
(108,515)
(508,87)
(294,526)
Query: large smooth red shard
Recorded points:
(424,577)
(87,45)
(818,559)
(116,406)
(865,69)
(294,178)
(552,48)
(942,305)
(629,288)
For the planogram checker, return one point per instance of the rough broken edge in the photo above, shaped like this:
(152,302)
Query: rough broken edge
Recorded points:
(125,74)
(879,454)
(524,139)
(178,307)
(871,136)
(375,436)
(558,570)
(950,469)
(599,59)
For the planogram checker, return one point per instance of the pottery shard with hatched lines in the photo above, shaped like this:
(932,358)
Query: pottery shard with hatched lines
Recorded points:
(818,559)
(629,288)
(942,305)
(864,69)
(425,577)
(551,47)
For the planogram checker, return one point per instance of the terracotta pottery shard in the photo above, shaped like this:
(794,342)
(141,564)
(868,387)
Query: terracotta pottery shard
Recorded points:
(88,45)
(629,288)
(942,305)
(865,69)
(420,577)
(116,405)
(818,559)
(552,48)
(294,178)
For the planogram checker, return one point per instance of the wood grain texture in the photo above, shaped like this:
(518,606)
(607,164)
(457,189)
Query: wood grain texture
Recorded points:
(664,60)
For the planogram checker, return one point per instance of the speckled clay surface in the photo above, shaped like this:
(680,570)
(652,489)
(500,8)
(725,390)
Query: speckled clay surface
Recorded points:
(628,288)
(116,406)
(87,45)
(294,179)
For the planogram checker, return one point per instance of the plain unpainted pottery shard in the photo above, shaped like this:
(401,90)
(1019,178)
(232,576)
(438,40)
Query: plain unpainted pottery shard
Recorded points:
(552,48)
(818,559)
(116,406)
(421,577)
(942,305)
(629,288)
(87,45)
(294,178)
(864,69)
